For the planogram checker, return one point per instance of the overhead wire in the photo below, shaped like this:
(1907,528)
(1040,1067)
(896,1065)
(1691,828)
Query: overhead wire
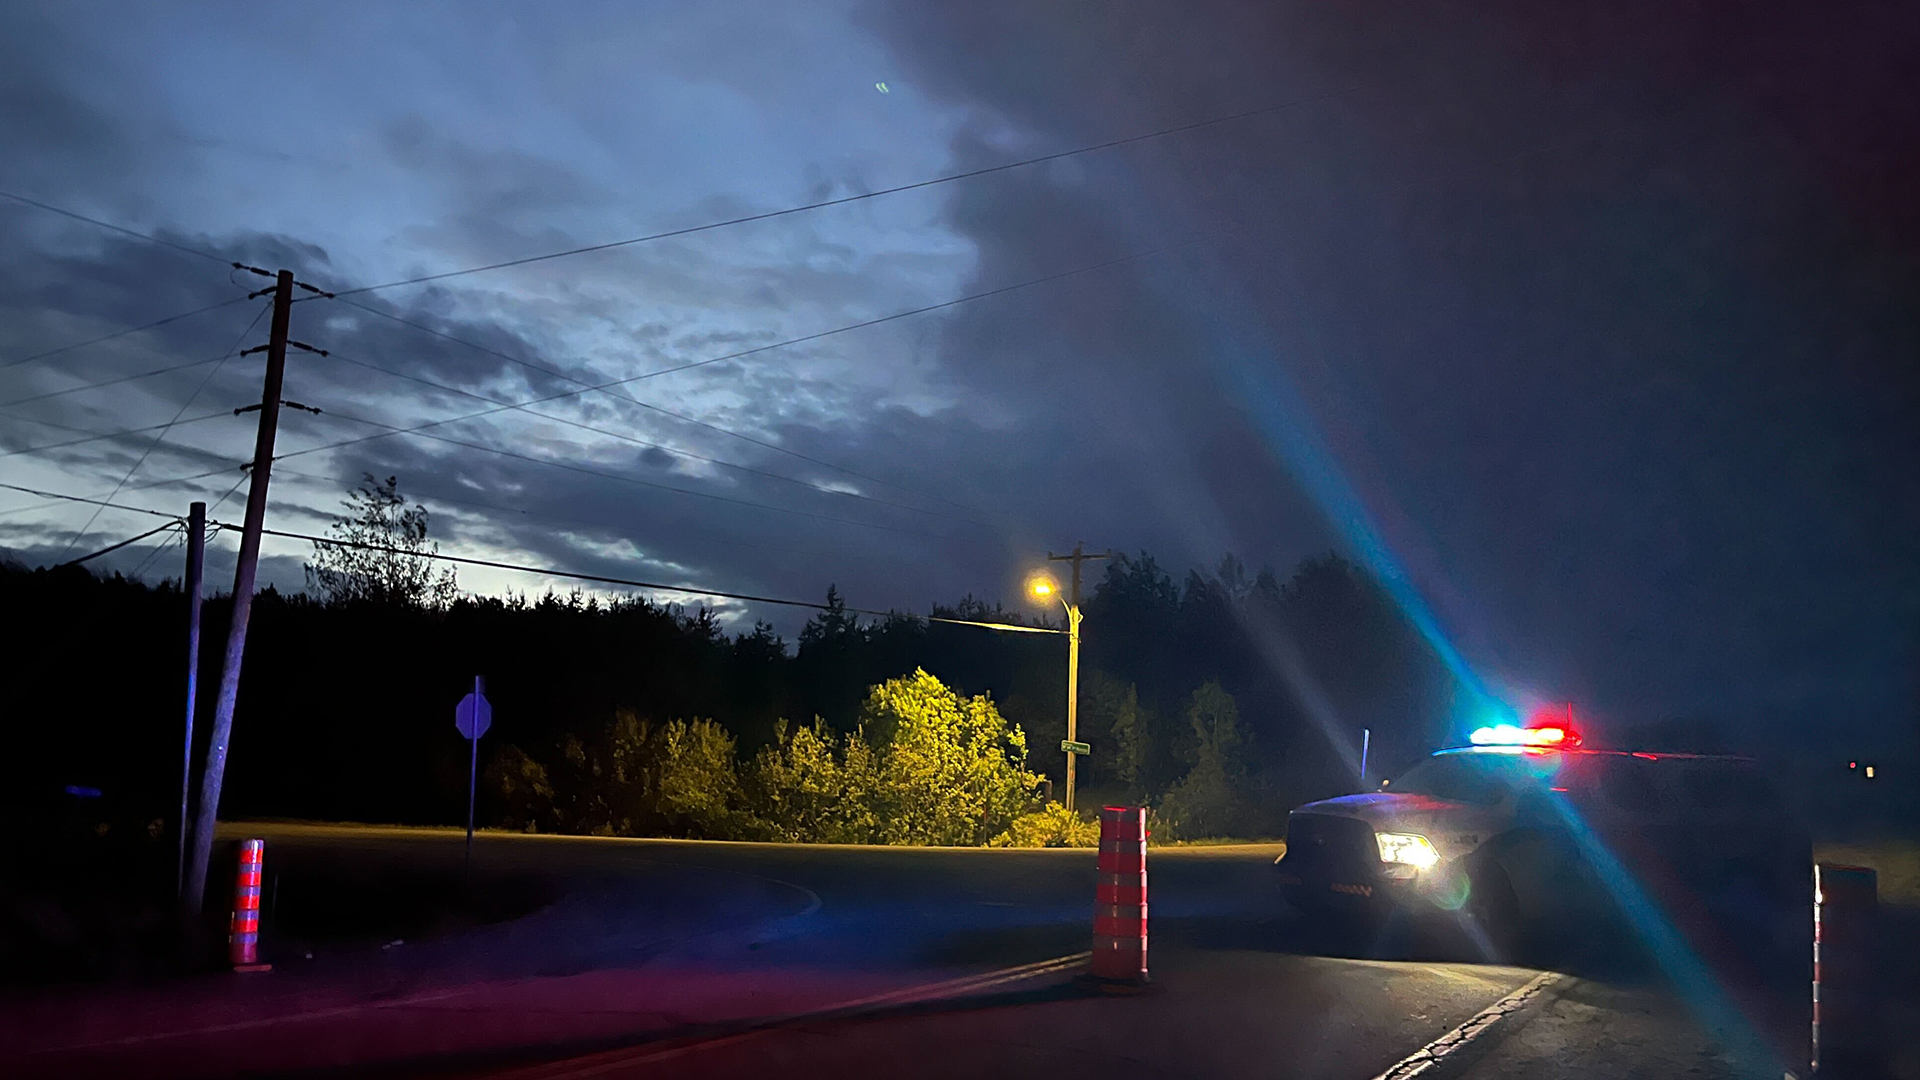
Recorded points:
(116,547)
(123,230)
(636,440)
(820,204)
(178,539)
(84,499)
(634,583)
(585,387)
(393,429)
(819,335)
(168,426)
(97,436)
(750,351)
(845,199)
(169,482)
(711,225)
(18,360)
(113,381)
(435,497)
(690,590)
(1127,258)
(556,373)
(228,494)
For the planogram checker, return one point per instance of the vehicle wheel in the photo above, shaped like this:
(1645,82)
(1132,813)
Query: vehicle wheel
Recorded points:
(1492,914)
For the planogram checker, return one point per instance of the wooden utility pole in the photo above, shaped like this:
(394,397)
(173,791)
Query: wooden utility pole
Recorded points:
(243,575)
(1073,656)
(196,560)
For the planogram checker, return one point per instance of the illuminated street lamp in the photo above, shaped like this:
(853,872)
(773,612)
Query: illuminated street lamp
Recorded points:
(1042,587)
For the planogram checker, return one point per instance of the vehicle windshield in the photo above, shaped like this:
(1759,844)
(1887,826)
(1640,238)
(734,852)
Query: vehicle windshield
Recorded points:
(1481,779)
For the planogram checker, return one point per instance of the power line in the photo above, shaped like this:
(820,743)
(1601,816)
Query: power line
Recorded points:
(792,341)
(482,447)
(144,454)
(337,444)
(746,352)
(149,237)
(118,546)
(677,452)
(845,199)
(235,486)
(606,580)
(120,333)
(432,497)
(630,399)
(97,436)
(179,538)
(132,487)
(84,499)
(113,381)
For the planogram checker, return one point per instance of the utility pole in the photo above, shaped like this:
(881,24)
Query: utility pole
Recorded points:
(196,560)
(243,575)
(1073,653)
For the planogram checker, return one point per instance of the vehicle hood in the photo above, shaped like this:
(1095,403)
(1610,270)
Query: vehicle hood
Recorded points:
(1382,808)
(1454,828)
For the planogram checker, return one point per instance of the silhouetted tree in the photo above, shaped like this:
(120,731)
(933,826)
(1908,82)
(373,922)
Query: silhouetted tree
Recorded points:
(394,568)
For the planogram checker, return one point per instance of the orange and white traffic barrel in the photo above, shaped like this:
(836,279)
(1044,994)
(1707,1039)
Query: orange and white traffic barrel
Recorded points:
(243,934)
(1120,898)
(1846,1007)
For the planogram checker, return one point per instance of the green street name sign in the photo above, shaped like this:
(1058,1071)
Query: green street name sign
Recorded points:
(1072,747)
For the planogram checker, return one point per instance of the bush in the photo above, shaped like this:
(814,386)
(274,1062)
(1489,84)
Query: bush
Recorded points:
(937,768)
(1052,826)
(526,794)
(692,780)
(813,787)
(643,779)
(952,770)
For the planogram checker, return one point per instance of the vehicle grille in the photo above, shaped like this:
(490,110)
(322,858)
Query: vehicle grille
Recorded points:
(1338,848)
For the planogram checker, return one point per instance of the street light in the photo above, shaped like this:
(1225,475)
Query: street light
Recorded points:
(1042,587)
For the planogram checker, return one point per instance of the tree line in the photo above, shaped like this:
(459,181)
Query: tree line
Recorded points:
(1221,700)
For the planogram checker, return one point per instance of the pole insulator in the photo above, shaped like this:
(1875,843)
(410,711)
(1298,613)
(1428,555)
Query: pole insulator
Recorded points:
(243,934)
(1120,900)
(1846,1037)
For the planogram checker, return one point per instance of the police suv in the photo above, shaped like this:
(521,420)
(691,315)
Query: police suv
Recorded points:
(1527,836)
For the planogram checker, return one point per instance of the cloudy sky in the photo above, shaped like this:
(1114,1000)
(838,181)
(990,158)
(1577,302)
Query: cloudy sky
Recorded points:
(1594,333)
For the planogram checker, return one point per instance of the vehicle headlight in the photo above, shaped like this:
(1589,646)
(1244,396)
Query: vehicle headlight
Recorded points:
(1409,848)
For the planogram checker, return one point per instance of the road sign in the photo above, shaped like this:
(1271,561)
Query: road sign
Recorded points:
(1072,747)
(473,716)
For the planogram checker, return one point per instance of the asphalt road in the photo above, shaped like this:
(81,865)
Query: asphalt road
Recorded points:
(646,957)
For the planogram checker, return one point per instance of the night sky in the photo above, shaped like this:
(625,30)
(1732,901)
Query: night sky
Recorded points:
(1590,328)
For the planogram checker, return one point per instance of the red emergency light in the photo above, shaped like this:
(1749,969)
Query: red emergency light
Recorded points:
(1549,729)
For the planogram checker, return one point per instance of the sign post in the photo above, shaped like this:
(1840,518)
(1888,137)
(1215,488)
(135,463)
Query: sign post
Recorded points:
(473,716)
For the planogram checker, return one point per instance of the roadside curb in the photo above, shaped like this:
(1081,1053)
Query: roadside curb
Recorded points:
(1448,1054)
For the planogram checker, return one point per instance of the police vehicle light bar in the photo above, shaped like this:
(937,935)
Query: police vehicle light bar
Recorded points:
(1545,736)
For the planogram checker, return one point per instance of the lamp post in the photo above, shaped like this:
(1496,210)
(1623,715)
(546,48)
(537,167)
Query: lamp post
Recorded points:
(1042,586)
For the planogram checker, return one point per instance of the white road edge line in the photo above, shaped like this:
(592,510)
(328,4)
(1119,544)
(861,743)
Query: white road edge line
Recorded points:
(1479,1024)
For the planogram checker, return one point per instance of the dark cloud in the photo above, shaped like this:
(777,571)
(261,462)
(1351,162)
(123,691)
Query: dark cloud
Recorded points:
(1599,321)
